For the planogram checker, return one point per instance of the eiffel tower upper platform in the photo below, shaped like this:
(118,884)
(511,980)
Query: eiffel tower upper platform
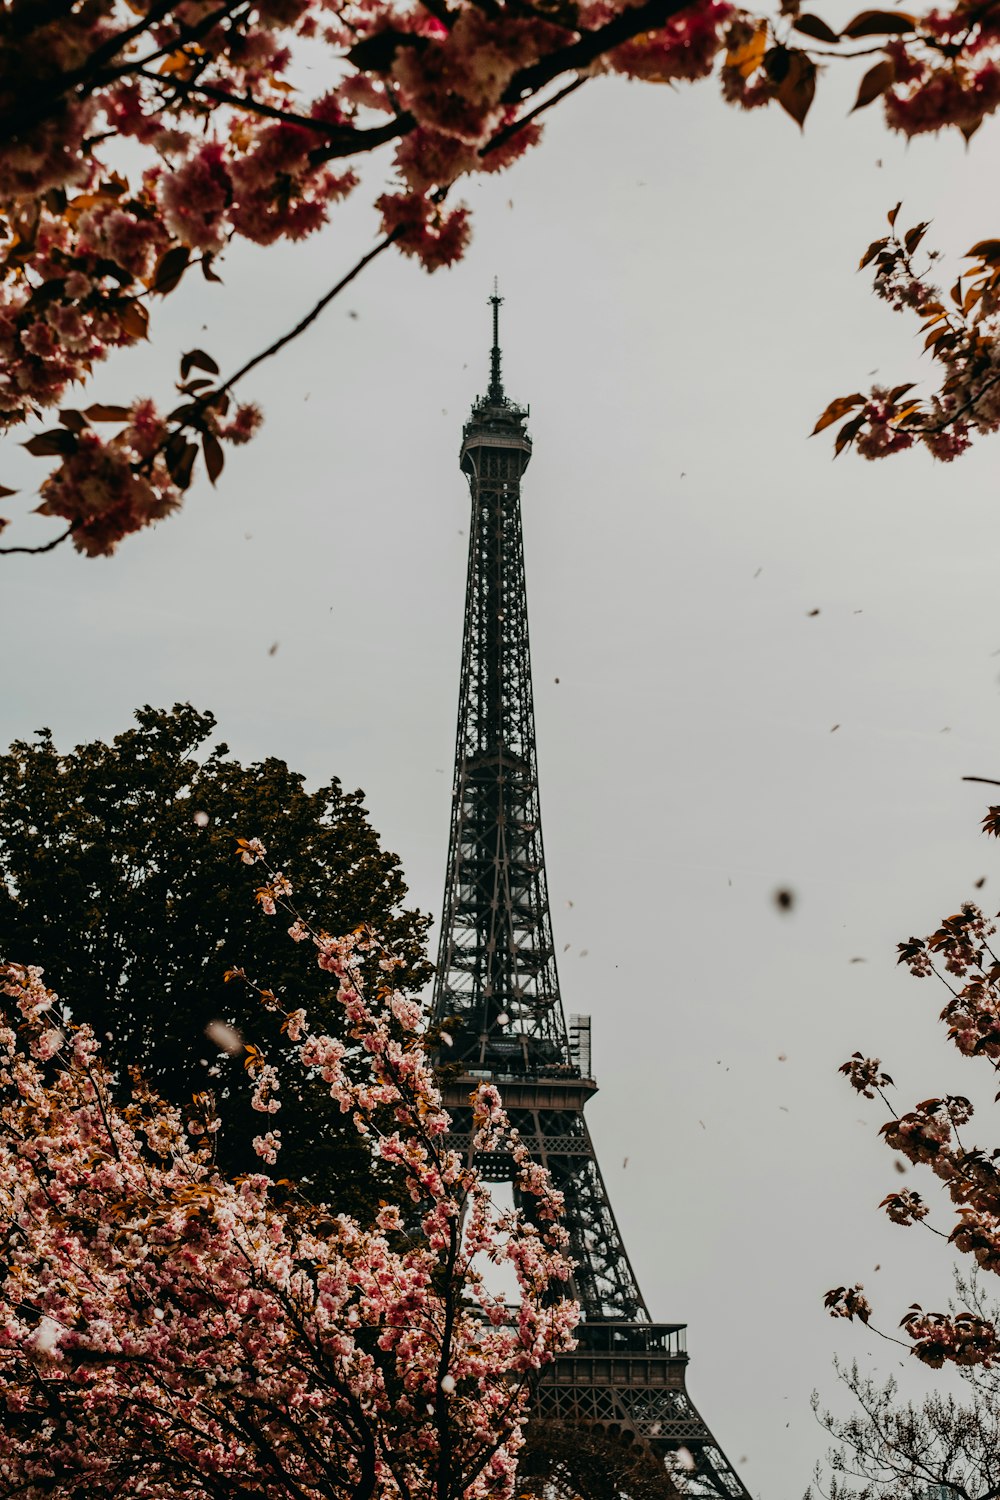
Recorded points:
(497,993)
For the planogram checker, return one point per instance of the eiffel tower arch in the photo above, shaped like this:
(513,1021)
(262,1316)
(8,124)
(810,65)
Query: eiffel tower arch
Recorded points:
(622,1392)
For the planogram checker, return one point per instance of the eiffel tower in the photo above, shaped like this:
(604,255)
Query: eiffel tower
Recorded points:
(497,994)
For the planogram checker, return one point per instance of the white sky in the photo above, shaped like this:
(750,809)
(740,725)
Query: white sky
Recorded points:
(681,303)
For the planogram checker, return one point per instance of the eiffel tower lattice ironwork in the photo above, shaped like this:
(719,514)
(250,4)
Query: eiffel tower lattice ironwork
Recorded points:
(497,988)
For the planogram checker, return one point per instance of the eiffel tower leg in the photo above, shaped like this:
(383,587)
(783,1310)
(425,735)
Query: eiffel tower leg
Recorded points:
(625,1382)
(628,1380)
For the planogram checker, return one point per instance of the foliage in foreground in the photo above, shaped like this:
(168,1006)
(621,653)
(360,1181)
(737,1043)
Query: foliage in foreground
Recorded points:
(117,878)
(167,1332)
(138,138)
(888,1448)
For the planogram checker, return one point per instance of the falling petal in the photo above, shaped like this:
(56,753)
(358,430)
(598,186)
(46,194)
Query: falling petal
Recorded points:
(225,1037)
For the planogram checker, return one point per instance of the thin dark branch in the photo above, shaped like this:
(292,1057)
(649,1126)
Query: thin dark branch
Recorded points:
(310,317)
(633,21)
(344,140)
(34,551)
(519,124)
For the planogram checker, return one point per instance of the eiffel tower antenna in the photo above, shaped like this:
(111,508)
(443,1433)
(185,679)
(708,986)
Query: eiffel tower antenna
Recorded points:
(496,992)
(496,381)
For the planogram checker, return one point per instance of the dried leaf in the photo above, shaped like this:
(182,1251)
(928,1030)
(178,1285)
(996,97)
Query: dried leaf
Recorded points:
(798,87)
(99,412)
(57,442)
(880,23)
(197,359)
(875,82)
(169,269)
(815,27)
(988,250)
(848,433)
(873,249)
(180,461)
(134,320)
(214,456)
(913,236)
(836,409)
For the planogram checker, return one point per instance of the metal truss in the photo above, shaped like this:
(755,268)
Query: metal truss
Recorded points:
(497,987)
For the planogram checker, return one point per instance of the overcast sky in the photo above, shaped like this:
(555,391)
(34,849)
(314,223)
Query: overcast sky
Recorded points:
(681,303)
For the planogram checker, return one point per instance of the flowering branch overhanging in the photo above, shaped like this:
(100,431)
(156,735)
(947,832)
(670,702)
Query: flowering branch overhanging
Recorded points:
(210,97)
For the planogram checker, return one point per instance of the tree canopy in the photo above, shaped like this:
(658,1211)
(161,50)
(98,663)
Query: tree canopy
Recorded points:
(119,876)
(139,138)
(167,1332)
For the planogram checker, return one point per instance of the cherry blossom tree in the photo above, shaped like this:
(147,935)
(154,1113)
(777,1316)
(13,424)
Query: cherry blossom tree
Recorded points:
(165,1331)
(139,138)
(888,1447)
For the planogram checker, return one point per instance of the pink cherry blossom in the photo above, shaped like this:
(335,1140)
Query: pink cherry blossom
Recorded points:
(158,1320)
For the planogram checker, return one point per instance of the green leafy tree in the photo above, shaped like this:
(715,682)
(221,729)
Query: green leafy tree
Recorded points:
(117,865)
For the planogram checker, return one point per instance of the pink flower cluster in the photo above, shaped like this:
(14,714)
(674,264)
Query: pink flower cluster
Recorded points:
(685,48)
(157,1319)
(107,490)
(944,95)
(963,1339)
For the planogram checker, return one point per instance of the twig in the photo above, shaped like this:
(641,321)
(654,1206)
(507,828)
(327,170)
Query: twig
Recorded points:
(519,124)
(310,317)
(46,547)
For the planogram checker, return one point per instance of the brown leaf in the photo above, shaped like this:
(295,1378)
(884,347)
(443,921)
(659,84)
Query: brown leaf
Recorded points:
(880,23)
(214,456)
(873,248)
(875,82)
(180,461)
(375,53)
(776,62)
(197,359)
(134,319)
(169,269)
(57,442)
(912,237)
(99,412)
(988,250)
(848,433)
(893,214)
(836,409)
(815,27)
(798,87)
(4,492)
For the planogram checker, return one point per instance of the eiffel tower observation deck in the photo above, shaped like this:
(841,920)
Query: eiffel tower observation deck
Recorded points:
(497,994)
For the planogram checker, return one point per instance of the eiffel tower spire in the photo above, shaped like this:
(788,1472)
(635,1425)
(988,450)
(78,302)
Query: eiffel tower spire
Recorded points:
(497,995)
